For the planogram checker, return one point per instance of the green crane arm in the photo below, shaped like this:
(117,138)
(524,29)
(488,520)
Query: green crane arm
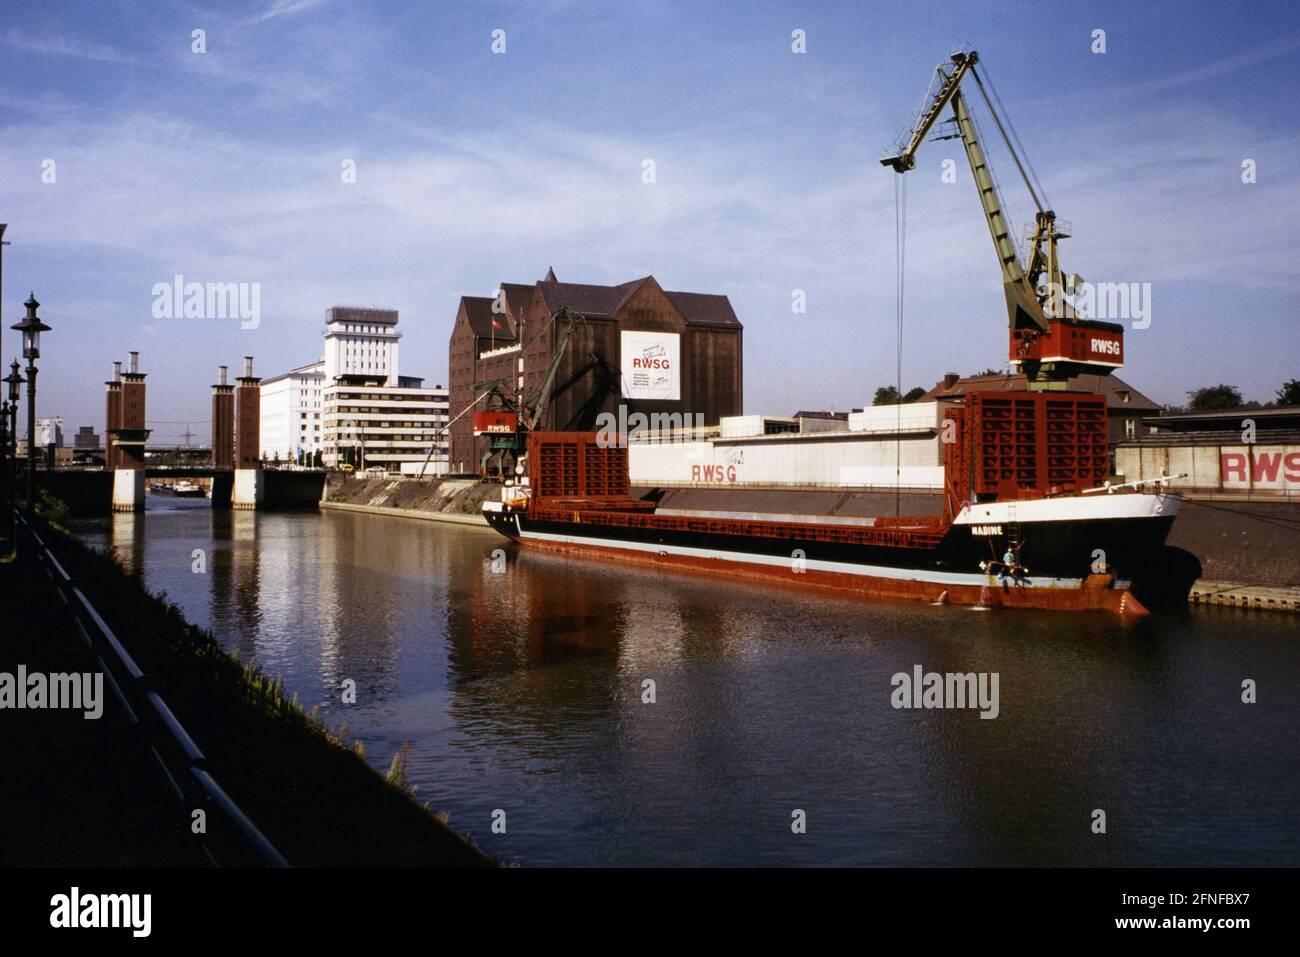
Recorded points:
(1023,305)
(950,82)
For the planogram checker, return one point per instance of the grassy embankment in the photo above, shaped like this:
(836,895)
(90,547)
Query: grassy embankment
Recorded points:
(312,794)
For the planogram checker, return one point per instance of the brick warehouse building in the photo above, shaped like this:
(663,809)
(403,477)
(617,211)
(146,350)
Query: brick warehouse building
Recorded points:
(696,338)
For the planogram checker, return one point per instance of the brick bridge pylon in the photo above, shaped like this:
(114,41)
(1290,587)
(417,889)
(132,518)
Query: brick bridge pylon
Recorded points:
(249,480)
(236,438)
(124,450)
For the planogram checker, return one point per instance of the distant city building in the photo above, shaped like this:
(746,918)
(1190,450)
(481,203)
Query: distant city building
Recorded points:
(353,405)
(52,456)
(86,439)
(49,432)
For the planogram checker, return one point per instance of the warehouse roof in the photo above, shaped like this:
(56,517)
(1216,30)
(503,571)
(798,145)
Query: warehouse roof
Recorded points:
(603,302)
(583,298)
(1119,394)
(704,309)
(1278,417)
(517,296)
(606,301)
(483,321)
(1215,437)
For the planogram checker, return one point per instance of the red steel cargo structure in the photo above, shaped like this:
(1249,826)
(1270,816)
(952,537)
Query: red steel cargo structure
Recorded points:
(1024,445)
(573,470)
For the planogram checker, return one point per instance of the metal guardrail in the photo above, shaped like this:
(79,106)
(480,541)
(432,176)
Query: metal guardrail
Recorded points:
(142,703)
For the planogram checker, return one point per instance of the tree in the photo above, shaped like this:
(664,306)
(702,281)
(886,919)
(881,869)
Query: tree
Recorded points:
(914,394)
(1289,394)
(885,395)
(1214,398)
(992,371)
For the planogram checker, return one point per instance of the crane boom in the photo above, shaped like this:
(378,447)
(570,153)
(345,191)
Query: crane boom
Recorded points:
(1048,342)
(536,410)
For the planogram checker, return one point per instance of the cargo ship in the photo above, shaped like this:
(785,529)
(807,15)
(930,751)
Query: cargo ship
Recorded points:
(1028,520)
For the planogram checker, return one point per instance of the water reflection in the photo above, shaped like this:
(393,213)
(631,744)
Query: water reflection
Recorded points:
(523,687)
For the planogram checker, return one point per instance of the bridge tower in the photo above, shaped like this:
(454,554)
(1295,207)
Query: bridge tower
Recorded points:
(248,439)
(127,440)
(223,441)
(112,415)
(223,423)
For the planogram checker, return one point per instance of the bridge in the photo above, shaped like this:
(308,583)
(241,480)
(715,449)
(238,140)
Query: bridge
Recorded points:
(233,464)
(90,491)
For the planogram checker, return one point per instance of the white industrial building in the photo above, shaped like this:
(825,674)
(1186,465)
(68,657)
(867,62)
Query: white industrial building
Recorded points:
(291,409)
(353,405)
(393,428)
(362,343)
(881,447)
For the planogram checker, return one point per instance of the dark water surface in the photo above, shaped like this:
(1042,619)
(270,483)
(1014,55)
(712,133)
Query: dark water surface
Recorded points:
(521,690)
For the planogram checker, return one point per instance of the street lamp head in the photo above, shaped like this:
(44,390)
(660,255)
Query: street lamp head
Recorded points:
(31,327)
(14,380)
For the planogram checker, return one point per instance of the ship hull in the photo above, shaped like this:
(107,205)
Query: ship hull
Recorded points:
(1059,554)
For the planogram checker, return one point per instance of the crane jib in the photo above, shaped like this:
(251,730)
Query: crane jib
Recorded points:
(1049,342)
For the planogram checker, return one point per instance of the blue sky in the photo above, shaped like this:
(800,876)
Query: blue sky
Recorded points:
(474,168)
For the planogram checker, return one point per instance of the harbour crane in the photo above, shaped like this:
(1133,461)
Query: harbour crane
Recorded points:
(527,413)
(1049,341)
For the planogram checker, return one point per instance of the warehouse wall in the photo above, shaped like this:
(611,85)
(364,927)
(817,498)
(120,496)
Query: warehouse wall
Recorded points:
(843,460)
(1254,469)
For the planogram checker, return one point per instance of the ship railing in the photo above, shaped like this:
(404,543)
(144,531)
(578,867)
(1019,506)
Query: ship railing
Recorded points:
(185,769)
(1158,483)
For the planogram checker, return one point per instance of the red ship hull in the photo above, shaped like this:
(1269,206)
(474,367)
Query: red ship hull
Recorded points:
(1098,594)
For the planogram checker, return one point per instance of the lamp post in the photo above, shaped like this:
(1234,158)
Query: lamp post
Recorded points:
(31,328)
(14,380)
(8,423)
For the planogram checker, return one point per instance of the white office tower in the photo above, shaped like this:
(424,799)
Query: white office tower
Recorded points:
(361,342)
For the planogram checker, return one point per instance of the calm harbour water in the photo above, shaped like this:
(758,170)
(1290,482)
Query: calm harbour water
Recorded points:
(521,690)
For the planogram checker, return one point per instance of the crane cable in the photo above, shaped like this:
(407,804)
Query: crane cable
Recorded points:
(900,251)
(1011,148)
(446,428)
(997,98)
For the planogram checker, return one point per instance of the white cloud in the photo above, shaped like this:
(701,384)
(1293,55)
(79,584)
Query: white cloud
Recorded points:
(1261,54)
(55,45)
(436,214)
(283,8)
